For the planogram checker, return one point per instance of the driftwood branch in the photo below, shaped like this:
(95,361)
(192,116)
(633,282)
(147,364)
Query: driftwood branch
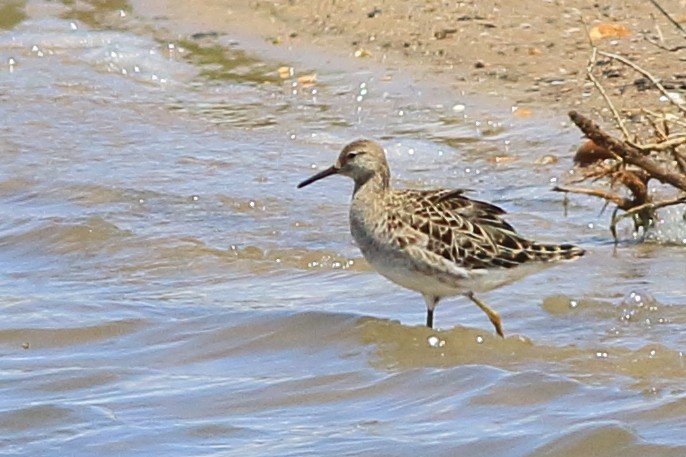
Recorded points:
(634,166)
(627,152)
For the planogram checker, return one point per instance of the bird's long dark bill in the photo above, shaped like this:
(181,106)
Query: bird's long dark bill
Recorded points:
(332,170)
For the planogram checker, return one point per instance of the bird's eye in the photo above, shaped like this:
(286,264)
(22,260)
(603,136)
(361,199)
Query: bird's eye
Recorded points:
(353,154)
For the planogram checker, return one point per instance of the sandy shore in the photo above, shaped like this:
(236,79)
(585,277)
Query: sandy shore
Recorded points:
(531,54)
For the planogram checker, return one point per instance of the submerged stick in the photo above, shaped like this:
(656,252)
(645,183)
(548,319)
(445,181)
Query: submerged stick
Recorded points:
(650,206)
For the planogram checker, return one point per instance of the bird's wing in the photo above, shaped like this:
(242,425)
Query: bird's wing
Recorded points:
(461,233)
(480,212)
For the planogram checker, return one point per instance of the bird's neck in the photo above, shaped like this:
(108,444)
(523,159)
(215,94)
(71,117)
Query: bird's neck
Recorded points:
(373,184)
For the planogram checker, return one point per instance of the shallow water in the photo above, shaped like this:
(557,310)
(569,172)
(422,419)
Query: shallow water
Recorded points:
(166,290)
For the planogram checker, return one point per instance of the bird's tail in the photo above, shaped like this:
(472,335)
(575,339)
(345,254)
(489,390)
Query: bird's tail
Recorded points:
(553,252)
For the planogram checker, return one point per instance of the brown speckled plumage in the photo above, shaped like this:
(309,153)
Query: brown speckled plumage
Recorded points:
(437,242)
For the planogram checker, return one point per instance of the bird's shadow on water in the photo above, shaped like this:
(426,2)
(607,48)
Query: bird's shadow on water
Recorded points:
(399,347)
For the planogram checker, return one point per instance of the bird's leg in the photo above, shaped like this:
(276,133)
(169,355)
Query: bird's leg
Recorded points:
(493,315)
(431,302)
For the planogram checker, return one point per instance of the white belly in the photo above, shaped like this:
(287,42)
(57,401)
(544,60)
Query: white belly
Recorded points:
(424,284)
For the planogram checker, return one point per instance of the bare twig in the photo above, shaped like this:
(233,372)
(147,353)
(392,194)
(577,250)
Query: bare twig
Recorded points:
(599,87)
(661,132)
(655,81)
(662,46)
(673,119)
(658,29)
(669,17)
(621,202)
(675,141)
(650,206)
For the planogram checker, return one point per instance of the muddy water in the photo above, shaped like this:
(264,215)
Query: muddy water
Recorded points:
(165,289)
